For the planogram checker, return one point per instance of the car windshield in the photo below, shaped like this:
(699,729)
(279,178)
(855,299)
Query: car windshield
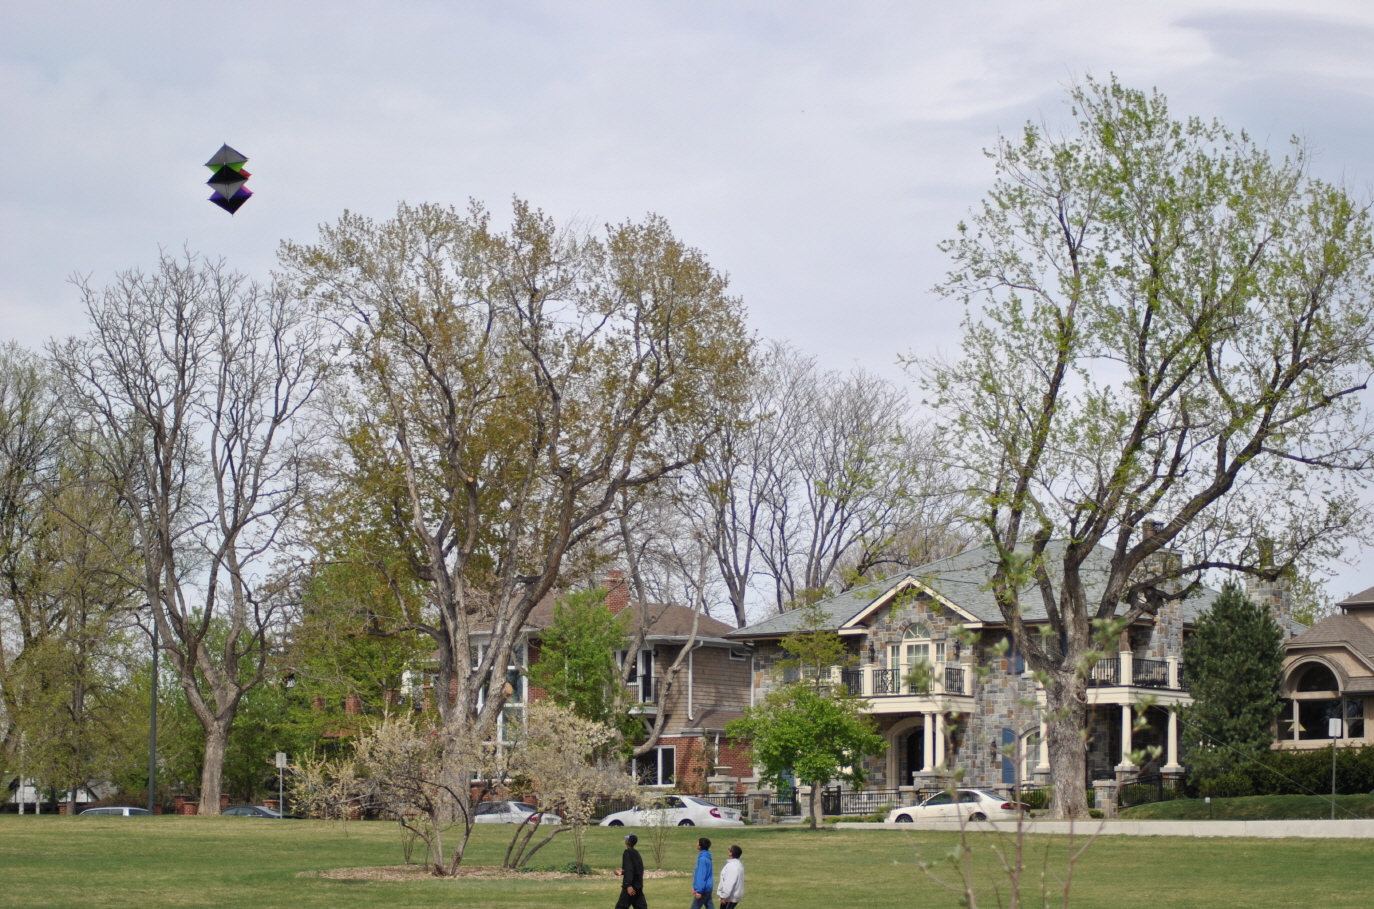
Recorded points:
(270,812)
(522,807)
(692,800)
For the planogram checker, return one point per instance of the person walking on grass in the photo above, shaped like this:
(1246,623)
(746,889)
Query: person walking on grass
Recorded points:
(704,880)
(732,880)
(631,877)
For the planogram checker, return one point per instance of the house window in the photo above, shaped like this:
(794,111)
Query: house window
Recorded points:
(658,767)
(1354,718)
(641,675)
(1314,717)
(738,653)
(1015,658)
(1317,678)
(940,652)
(915,646)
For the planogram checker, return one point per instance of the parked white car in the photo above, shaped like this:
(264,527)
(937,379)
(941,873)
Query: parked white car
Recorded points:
(676,811)
(510,813)
(116,811)
(971,804)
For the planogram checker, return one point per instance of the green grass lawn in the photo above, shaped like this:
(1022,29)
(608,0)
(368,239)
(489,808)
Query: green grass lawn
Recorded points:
(1255,808)
(148,863)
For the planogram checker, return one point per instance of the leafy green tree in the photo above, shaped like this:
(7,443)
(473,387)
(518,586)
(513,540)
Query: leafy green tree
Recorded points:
(1174,331)
(1233,659)
(577,665)
(802,732)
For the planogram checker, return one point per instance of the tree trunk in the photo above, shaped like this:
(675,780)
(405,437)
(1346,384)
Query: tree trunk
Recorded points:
(212,771)
(1066,721)
(817,817)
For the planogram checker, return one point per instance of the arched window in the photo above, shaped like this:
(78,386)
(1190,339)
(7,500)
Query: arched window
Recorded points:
(915,647)
(1317,678)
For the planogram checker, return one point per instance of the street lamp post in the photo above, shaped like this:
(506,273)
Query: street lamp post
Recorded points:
(152,726)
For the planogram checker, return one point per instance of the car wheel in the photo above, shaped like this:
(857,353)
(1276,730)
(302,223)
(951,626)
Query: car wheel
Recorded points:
(686,822)
(616,824)
(978,816)
(904,819)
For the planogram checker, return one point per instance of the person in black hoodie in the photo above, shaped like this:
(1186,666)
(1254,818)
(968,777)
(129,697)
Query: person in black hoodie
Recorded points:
(631,877)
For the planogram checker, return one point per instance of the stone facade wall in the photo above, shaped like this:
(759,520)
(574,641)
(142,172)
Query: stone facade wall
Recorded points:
(1004,699)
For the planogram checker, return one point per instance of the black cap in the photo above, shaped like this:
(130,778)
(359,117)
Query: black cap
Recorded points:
(631,839)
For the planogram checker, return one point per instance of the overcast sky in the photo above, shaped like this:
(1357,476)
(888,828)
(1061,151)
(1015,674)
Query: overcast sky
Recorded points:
(815,151)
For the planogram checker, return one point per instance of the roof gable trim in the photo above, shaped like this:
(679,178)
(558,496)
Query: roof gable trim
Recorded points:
(885,599)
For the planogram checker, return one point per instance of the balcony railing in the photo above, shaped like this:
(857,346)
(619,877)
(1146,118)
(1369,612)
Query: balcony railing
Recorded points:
(1150,673)
(1105,672)
(853,681)
(887,681)
(954,680)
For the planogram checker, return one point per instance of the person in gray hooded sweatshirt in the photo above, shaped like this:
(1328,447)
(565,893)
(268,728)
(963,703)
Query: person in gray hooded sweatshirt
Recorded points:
(731,889)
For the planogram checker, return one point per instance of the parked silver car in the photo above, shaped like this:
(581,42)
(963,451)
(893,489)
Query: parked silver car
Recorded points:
(971,804)
(676,811)
(510,812)
(116,811)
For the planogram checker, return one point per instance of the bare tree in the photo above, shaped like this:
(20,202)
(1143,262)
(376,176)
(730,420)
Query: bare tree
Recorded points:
(505,388)
(821,480)
(192,380)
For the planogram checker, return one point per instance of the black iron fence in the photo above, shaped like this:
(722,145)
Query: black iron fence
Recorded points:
(1150,673)
(837,802)
(1146,790)
(853,681)
(954,680)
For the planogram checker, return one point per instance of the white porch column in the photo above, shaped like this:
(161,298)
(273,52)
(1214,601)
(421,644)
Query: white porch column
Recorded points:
(1044,765)
(1173,765)
(928,742)
(1173,671)
(1126,763)
(1125,660)
(939,740)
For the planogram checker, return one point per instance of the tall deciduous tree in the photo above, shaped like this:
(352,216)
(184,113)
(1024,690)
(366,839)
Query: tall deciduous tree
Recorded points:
(1174,329)
(1234,660)
(506,387)
(192,380)
(30,453)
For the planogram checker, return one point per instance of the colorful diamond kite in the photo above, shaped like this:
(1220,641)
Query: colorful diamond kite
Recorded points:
(228,182)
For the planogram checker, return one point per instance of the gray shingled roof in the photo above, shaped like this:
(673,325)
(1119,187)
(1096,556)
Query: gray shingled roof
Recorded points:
(963,580)
(1339,629)
(1363,598)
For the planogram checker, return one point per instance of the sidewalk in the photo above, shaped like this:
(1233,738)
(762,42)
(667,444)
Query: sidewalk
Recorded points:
(1353,830)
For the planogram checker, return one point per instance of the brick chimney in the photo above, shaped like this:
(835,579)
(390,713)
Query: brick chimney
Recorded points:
(617,591)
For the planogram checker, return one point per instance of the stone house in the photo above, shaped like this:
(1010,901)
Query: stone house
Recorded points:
(710,687)
(1328,674)
(966,718)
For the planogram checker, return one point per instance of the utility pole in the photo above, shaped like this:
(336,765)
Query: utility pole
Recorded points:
(152,726)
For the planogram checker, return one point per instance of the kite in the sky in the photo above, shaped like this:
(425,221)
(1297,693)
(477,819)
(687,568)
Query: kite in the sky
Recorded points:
(229,179)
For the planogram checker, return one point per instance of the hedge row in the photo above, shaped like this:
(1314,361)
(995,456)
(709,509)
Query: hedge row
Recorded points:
(1293,773)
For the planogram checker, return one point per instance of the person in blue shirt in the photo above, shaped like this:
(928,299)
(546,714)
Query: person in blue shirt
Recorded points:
(704,881)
